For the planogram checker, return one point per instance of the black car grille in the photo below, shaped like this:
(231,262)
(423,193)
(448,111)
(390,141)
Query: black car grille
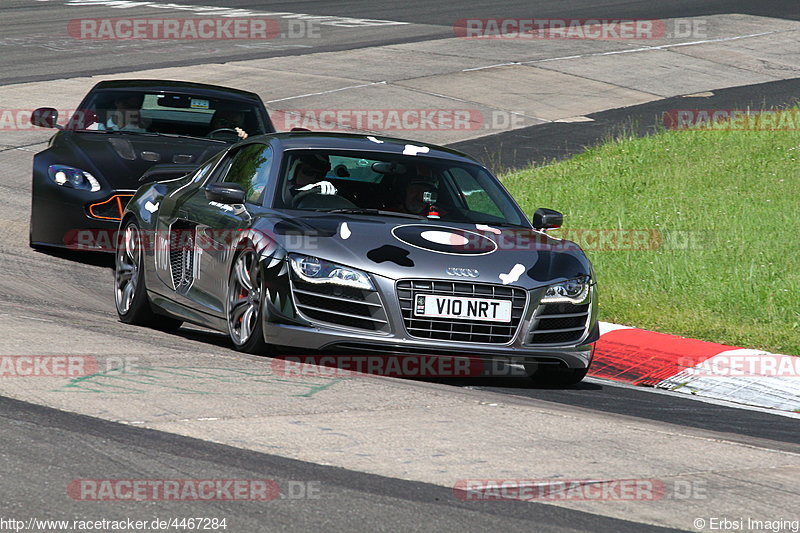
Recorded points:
(343,306)
(559,323)
(460,330)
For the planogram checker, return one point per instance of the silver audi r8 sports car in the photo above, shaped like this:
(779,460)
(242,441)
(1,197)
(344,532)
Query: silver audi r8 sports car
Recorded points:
(339,243)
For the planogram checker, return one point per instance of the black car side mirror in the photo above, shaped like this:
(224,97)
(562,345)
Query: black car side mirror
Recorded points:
(45,117)
(547,219)
(226,193)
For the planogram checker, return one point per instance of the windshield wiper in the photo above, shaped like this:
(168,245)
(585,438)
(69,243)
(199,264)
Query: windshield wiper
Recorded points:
(151,134)
(380,212)
(121,132)
(182,136)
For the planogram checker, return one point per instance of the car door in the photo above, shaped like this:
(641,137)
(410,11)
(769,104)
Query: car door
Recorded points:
(194,233)
(173,229)
(217,226)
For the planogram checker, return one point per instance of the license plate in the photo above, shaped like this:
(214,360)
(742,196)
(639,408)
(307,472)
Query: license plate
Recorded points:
(462,308)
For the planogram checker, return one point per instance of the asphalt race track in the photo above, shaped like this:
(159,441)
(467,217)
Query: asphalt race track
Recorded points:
(382,453)
(35,47)
(344,498)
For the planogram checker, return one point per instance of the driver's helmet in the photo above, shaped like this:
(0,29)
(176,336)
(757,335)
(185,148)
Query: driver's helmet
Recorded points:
(313,164)
(423,183)
(226,119)
(419,194)
(131,101)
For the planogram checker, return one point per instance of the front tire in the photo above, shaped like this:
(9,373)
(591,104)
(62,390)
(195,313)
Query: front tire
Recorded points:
(130,292)
(244,303)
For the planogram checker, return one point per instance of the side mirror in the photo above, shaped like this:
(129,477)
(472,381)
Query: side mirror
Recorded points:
(547,219)
(45,117)
(225,193)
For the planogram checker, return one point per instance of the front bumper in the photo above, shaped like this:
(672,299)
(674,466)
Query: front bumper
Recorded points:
(60,217)
(394,338)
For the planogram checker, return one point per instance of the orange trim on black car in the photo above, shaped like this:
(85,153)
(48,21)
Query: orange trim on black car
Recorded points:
(110,209)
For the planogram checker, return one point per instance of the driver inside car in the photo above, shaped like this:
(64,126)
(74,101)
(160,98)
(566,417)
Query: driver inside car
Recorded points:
(228,119)
(416,194)
(309,175)
(419,196)
(124,116)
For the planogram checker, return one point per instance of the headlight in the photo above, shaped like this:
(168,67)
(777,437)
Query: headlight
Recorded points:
(73,177)
(315,270)
(573,291)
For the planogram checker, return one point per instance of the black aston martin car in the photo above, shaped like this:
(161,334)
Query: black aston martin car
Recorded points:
(350,244)
(125,132)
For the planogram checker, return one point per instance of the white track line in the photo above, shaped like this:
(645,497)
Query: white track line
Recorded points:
(649,48)
(326,92)
(233,12)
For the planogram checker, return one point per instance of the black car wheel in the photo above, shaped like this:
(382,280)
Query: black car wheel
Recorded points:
(130,293)
(244,303)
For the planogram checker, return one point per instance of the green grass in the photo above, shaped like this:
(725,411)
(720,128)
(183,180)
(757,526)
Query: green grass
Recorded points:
(737,193)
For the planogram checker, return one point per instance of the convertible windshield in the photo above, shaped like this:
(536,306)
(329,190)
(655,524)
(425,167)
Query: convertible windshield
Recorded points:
(374,183)
(168,113)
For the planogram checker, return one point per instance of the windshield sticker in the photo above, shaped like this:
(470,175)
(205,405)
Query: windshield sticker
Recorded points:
(444,237)
(387,252)
(196,103)
(411,149)
(514,275)
(344,231)
(444,240)
(224,207)
(484,227)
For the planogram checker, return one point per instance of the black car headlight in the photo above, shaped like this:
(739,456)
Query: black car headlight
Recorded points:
(574,291)
(315,270)
(73,177)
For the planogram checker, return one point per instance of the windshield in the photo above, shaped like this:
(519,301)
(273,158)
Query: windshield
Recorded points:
(386,184)
(168,113)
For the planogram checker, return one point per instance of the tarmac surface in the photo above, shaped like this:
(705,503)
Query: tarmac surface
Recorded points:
(385,452)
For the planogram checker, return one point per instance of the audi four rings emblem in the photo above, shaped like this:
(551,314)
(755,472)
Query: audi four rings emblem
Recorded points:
(465,272)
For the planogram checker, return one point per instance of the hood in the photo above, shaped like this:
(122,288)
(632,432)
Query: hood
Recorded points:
(120,159)
(404,248)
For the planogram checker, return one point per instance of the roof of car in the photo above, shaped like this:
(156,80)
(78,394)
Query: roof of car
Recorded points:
(177,86)
(350,141)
